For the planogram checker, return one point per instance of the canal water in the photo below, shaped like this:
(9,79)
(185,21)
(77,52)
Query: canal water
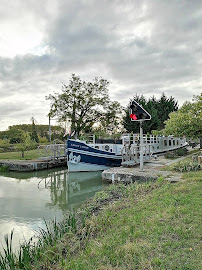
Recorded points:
(27,198)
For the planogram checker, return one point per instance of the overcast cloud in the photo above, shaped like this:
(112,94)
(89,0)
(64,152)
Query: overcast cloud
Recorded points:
(141,46)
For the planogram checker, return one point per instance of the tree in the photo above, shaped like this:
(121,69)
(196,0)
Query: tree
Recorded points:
(187,121)
(34,136)
(26,144)
(15,132)
(81,103)
(111,118)
(164,107)
(15,135)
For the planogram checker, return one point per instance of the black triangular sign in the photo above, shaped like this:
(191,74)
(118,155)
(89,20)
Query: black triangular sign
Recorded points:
(138,113)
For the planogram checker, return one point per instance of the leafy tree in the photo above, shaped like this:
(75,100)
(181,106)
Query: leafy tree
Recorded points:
(81,102)
(15,135)
(187,121)
(26,144)
(111,118)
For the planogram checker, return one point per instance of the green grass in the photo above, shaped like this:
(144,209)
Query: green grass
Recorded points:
(32,252)
(158,228)
(29,155)
(154,225)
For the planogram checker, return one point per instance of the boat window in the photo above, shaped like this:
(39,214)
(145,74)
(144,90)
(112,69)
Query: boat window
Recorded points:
(96,147)
(169,142)
(165,143)
(174,142)
(157,147)
(177,142)
(107,147)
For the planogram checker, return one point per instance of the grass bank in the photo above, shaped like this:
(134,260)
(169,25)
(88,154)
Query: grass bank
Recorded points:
(29,155)
(154,225)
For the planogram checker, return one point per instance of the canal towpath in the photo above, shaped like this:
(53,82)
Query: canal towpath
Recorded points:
(151,171)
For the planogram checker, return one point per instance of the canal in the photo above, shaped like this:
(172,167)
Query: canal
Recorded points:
(29,198)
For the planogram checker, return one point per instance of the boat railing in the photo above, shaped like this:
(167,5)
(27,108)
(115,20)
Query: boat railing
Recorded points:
(147,139)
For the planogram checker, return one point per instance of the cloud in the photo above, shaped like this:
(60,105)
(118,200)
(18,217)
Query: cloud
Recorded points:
(145,47)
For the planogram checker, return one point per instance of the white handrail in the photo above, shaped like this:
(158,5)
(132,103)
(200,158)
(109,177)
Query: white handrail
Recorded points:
(52,150)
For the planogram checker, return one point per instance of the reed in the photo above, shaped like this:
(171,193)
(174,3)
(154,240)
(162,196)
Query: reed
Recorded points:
(3,168)
(31,252)
(8,260)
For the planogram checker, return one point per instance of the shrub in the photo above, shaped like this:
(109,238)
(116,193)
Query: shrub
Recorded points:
(170,154)
(181,151)
(187,166)
(4,168)
(43,139)
(176,153)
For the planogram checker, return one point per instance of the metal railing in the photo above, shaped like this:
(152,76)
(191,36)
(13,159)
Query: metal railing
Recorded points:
(132,153)
(52,151)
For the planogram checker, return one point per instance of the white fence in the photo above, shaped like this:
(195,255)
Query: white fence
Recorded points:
(132,153)
(52,151)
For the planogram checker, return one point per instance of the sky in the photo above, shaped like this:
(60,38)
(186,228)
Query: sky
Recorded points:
(144,47)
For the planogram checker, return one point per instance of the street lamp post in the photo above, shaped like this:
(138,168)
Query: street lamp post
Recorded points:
(49,128)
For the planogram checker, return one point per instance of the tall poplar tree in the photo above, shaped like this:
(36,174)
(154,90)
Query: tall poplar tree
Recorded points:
(34,136)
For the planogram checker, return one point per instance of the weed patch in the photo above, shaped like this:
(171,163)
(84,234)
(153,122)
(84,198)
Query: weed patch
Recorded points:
(187,166)
(3,168)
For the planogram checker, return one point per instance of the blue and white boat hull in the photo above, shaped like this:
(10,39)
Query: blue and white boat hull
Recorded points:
(82,157)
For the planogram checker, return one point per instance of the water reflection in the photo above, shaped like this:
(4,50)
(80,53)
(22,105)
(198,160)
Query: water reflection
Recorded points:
(26,199)
(67,190)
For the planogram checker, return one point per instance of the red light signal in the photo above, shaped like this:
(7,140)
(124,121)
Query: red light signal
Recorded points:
(133,116)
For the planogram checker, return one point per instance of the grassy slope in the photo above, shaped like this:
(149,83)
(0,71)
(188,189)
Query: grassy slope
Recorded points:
(31,154)
(157,229)
(154,225)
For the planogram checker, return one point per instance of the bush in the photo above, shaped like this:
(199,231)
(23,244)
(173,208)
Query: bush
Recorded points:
(5,146)
(187,166)
(170,154)
(43,139)
(3,168)
(181,151)
(176,153)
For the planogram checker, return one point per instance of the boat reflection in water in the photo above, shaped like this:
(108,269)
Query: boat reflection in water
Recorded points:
(26,199)
(69,190)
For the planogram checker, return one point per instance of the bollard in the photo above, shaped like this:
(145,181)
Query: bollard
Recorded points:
(195,158)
